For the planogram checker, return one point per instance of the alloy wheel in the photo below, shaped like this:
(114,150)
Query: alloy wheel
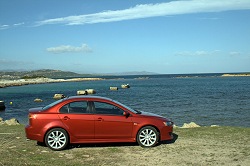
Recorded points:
(57,139)
(148,136)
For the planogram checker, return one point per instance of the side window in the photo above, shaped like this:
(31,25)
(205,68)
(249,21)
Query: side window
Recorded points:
(79,107)
(64,109)
(108,109)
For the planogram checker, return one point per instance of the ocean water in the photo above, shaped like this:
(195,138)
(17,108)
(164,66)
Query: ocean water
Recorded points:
(205,100)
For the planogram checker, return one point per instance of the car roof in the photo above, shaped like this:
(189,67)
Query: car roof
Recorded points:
(88,97)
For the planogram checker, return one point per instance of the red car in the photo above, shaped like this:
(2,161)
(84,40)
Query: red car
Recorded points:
(93,119)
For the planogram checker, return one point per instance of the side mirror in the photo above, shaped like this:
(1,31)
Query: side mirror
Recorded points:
(125,113)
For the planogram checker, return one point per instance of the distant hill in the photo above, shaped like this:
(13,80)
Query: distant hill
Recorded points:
(132,73)
(49,73)
(40,73)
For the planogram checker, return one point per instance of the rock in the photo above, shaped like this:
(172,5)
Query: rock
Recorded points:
(190,125)
(90,91)
(44,151)
(113,88)
(81,92)
(38,100)
(2,106)
(214,126)
(1,121)
(124,86)
(86,156)
(12,121)
(174,126)
(59,96)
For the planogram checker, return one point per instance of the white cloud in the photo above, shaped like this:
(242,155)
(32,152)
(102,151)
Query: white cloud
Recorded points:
(200,53)
(209,18)
(152,10)
(234,53)
(69,49)
(193,53)
(4,27)
(18,24)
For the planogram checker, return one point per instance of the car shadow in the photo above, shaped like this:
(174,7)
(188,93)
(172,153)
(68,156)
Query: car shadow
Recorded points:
(94,145)
(175,137)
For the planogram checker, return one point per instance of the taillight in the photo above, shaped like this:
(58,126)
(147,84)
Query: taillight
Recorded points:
(32,116)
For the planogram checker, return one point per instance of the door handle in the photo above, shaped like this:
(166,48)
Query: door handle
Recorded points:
(66,118)
(100,119)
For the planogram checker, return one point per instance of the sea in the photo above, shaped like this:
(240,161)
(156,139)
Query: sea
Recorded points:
(206,99)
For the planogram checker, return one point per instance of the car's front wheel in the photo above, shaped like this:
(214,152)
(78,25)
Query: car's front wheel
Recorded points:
(147,136)
(57,139)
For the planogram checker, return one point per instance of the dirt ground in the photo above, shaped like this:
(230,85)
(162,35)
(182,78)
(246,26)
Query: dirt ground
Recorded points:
(195,146)
(187,149)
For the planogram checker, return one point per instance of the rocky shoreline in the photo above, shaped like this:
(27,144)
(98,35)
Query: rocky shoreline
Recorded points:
(10,122)
(20,82)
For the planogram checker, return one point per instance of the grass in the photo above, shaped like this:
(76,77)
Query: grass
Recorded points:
(197,146)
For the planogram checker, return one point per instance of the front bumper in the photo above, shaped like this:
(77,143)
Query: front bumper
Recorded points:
(166,133)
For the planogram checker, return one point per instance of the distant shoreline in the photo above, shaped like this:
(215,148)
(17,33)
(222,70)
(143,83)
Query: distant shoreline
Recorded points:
(20,82)
(236,75)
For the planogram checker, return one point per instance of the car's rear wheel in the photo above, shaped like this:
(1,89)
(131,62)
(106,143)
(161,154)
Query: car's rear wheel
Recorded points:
(57,139)
(148,136)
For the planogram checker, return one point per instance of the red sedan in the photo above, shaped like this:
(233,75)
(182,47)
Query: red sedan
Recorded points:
(93,119)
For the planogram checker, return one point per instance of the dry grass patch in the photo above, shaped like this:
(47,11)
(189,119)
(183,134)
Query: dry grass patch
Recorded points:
(196,146)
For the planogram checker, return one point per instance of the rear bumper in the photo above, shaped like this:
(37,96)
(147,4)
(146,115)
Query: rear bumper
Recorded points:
(32,134)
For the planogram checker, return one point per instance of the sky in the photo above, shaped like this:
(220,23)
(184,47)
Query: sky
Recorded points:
(112,36)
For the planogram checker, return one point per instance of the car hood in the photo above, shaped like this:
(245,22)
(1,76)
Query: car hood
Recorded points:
(152,114)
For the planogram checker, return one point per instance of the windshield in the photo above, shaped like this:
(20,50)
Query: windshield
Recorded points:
(130,109)
(52,104)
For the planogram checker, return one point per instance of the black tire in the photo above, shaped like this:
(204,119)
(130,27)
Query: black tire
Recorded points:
(57,139)
(147,137)
(40,143)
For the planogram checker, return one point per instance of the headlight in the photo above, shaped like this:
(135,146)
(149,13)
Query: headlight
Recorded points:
(168,123)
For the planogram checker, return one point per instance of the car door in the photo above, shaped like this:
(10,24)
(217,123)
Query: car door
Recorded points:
(78,120)
(110,123)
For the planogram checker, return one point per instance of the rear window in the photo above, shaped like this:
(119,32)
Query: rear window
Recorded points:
(52,104)
(80,107)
